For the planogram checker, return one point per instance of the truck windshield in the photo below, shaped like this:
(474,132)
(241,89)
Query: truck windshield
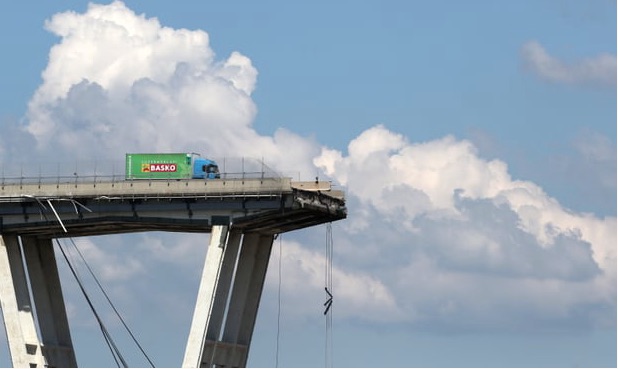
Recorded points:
(211,168)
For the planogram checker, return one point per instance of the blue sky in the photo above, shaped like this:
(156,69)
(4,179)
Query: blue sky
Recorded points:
(476,142)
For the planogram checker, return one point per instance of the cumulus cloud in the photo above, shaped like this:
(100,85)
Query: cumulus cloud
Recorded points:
(120,82)
(358,294)
(600,70)
(112,267)
(457,237)
(436,235)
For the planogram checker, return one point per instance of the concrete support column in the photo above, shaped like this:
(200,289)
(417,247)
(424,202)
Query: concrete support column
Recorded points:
(246,295)
(49,302)
(213,341)
(213,294)
(24,345)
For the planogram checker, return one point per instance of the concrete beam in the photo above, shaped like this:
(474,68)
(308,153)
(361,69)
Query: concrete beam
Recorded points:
(147,188)
(267,212)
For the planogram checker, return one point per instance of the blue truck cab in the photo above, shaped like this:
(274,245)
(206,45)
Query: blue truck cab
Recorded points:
(205,169)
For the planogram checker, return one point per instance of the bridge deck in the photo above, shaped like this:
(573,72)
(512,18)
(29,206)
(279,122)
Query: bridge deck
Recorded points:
(265,205)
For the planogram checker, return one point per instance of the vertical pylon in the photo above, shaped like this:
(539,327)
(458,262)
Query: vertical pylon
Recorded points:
(49,302)
(212,294)
(213,341)
(24,346)
(246,295)
(54,348)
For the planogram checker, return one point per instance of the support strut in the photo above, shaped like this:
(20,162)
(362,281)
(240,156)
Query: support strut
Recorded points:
(54,348)
(214,341)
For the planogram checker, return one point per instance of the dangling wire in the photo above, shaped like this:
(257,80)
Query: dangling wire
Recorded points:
(118,358)
(124,324)
(328,312)
(108,338)
(116,354)
(278,304)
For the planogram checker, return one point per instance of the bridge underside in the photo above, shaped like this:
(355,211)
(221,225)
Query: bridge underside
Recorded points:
(268,222)
(77,217)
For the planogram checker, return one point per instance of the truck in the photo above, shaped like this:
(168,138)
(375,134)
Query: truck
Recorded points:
(170,166)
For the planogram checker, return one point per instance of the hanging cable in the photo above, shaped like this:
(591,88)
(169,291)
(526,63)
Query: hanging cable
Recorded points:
(108,339)
(328,312)
(70,262)
(279,305)
(110,342)
(116,354)
(111,304)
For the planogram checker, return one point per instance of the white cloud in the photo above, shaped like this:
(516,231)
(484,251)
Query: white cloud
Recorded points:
(454,233)
(357,294)
(595,147)
(119,82)
(111,266)
(436,235)
(599,70)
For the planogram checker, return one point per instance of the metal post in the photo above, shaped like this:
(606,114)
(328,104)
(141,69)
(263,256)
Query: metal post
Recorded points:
(262,177)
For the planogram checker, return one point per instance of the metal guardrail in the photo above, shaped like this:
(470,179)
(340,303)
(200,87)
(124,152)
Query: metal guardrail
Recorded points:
(94,179)
(114,171)
(219,188)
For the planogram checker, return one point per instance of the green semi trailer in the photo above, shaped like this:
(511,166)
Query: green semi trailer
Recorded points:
(170,166)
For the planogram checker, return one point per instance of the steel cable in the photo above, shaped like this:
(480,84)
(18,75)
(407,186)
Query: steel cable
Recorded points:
(112,304)
(110,342)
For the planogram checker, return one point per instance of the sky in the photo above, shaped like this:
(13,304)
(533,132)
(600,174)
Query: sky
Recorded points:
(475,141)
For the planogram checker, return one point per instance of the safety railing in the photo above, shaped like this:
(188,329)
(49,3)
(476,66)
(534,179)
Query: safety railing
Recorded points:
(101,171)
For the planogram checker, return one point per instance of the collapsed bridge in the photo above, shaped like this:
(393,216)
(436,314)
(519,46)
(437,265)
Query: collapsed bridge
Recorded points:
(243,216)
